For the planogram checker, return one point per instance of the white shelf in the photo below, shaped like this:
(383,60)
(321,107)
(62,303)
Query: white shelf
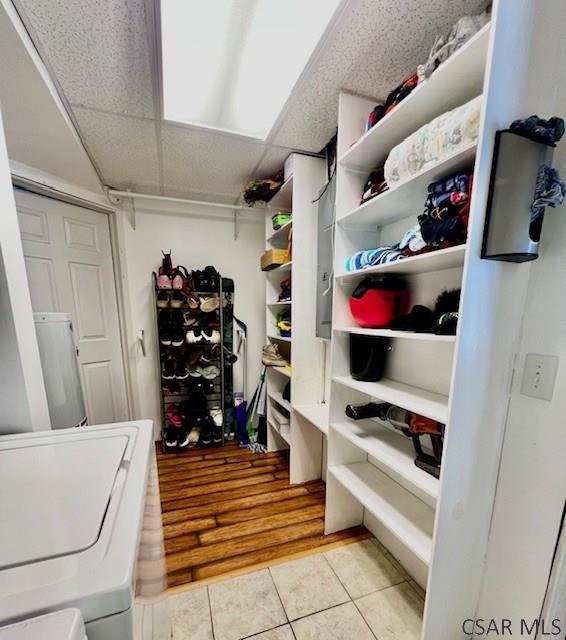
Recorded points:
(285,436)
(281,233)
(282,338)
(426,403)
(390,333)
(395,455)
(455,82)
(316,414)
(408,197)
(409,519)
(277,396)
(424,263)
(278,304)
(282,370)
(283,199)
(282,267)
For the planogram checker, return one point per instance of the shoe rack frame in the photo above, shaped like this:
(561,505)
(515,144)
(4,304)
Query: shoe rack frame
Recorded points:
(219,396)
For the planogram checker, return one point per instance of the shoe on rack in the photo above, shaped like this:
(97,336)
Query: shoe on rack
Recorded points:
(203,336)
(195,372)
(217,435)
(209,304)
(165,337)
(180,278)
(178,299)
(271,356)
(194,436)
(168,369)
(193,301)
(171,437)
(174,416)
(229,356)
(206,434)
(163,300)
(195,355)
(183,440)
(210,372)
(208,387)
(177,337)
(181,372)
(216,415)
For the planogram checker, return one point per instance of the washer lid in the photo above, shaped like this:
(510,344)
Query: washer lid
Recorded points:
(55,496)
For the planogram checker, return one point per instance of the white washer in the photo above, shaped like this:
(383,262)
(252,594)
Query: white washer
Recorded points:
(72,504)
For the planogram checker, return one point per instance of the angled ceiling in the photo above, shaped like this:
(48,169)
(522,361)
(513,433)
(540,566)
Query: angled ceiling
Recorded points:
(103,58)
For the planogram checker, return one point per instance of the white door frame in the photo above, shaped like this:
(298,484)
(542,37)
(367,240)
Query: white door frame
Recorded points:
(44,185)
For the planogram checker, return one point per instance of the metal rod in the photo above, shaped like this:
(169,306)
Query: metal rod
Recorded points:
(200,203)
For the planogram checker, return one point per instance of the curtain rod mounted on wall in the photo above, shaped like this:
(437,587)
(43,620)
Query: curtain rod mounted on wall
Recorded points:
(115,197)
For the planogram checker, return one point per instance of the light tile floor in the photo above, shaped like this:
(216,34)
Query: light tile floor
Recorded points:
(355,591)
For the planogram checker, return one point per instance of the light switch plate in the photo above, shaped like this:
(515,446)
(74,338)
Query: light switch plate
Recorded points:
(539,376)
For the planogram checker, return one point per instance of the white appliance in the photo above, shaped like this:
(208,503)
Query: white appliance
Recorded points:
(72,504)
(61,625)
(60,368)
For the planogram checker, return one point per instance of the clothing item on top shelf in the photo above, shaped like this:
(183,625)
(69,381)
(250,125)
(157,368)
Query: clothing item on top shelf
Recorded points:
(546,131)
(446,45)
(434,142)
(375,184)
(443,224)
(393,99)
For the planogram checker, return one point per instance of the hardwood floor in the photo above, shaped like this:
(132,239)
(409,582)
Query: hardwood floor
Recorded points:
(226,509)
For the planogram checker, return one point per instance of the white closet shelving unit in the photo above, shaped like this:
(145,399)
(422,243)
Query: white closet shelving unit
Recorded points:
(437,528)
(308,417)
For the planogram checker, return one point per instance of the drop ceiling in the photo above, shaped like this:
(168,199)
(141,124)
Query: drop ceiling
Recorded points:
(103,58)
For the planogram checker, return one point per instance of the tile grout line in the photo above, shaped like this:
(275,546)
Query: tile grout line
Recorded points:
(210,612)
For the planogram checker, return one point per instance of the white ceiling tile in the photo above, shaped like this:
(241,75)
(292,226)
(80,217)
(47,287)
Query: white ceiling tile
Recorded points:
(373,48)
(207,161)
(98,51)
(125,149)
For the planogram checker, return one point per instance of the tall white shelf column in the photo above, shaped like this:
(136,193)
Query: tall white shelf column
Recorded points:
(305,351)
(438,529)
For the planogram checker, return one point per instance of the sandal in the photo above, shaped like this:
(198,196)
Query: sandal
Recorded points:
(180,278)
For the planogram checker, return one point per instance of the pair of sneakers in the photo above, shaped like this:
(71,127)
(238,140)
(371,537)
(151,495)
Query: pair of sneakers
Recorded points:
(203,336)
(206,280)
(174,369)
(176,438)
(172,278)
(170,325)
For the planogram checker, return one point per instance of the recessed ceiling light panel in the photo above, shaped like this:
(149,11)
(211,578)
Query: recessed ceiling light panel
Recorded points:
(232,64)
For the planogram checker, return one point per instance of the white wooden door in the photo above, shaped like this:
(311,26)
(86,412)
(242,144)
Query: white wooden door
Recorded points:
(69,268)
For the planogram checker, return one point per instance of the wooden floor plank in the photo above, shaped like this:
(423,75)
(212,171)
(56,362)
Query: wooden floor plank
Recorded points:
(246,504)
(225,494)
(188,526)
(215,487)
(228,509)
(269,509)
(230,548)
(253,527)
(268,554)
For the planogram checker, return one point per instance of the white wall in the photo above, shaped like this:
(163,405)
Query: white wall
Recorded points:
(197,238)
(23,403)
(531,488)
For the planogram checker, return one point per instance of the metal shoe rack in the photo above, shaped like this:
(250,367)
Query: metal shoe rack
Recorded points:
(179,390)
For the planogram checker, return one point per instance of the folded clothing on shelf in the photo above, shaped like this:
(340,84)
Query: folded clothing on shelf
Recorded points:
(445,46)
(443,224)
(434,142)
(375,184)
(393,99)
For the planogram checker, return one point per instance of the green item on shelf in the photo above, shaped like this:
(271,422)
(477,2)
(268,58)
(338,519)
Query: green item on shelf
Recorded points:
(280,219)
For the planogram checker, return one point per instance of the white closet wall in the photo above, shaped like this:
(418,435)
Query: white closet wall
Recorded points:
(197,238)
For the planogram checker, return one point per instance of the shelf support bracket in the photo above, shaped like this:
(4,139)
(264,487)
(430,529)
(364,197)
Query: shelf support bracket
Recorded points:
(236,225)
(132,212)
